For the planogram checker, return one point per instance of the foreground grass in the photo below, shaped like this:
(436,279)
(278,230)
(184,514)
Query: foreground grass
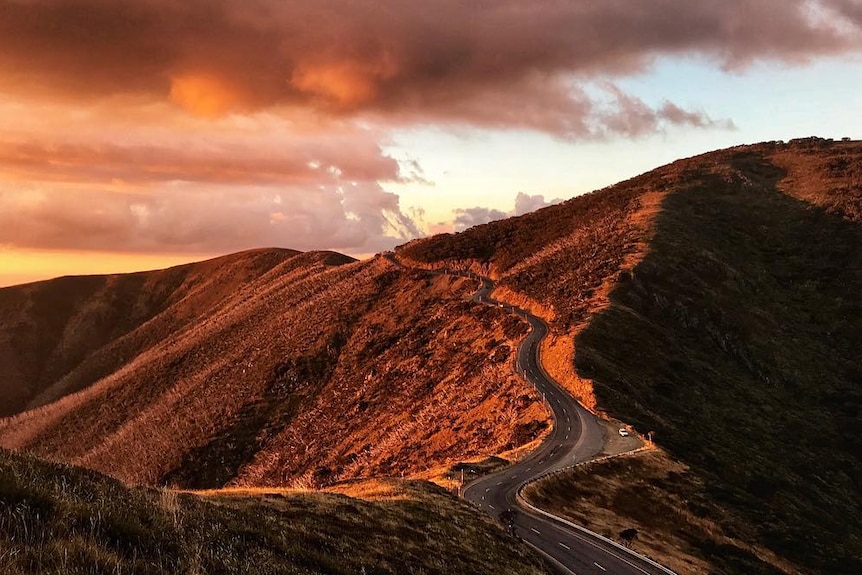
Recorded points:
(60,519)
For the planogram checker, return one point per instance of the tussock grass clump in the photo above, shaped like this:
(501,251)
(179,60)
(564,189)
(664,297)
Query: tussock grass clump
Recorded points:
(64,520)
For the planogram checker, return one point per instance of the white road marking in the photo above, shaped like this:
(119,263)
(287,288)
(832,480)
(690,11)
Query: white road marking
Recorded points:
(599,566)
(564,546)
(536,531)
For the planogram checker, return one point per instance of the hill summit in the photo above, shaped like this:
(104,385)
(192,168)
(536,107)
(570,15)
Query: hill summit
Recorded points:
(716,302)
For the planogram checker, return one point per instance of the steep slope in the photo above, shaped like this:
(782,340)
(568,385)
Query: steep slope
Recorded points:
(315,371)
(745,320)
(715,301)
(559,262)
(57,337)
(58,519)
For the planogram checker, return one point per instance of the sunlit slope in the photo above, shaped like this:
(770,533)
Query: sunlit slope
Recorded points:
(314,371)
(58,336)
(718,302)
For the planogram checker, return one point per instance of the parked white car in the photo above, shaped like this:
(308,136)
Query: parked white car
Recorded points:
(624,432)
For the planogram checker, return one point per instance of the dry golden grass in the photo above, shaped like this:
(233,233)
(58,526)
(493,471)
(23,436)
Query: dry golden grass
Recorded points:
(716,301)
(60,519)
(306,375)
(557,352)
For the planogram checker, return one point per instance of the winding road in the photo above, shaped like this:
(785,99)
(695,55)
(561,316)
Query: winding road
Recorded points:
(576,436)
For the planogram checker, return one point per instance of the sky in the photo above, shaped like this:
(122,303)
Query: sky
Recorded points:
(146,133)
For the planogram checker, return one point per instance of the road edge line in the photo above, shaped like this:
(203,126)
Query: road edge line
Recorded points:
(523,501)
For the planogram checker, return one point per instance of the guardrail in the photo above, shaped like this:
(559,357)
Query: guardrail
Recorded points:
(523,501)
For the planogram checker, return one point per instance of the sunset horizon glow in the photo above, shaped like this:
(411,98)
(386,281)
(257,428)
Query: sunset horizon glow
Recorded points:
(144,134)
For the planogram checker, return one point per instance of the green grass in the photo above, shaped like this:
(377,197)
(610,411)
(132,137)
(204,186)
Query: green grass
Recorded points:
(736,340)
(64,520)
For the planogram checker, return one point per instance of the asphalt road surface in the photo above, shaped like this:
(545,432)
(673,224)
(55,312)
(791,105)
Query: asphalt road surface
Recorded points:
(576,437)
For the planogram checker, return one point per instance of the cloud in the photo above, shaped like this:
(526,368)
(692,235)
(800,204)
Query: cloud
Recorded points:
(524,203)
(214,125)
(497,65)
(217,186)
(469,217)
(358,218)
(305,160)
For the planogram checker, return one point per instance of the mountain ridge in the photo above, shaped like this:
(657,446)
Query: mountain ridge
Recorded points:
(711,300)
(732,337)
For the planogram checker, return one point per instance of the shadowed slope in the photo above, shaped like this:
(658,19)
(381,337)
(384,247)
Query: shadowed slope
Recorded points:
(736,340)
(716,301)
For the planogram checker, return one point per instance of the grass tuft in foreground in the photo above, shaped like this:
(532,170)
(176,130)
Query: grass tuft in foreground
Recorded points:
(63,520)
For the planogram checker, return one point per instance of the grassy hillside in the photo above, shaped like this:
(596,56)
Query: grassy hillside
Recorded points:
(59,336)
(311,372)
(736,340)
(60,520)
(718,304)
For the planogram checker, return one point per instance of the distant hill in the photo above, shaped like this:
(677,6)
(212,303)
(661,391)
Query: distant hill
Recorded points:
(718,302)
(269,367)
(59,519)
(61,335)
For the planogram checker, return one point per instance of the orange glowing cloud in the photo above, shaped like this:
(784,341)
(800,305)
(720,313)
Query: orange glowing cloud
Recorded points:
(338,84)
(344,85)
(514,64)
(205,95)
